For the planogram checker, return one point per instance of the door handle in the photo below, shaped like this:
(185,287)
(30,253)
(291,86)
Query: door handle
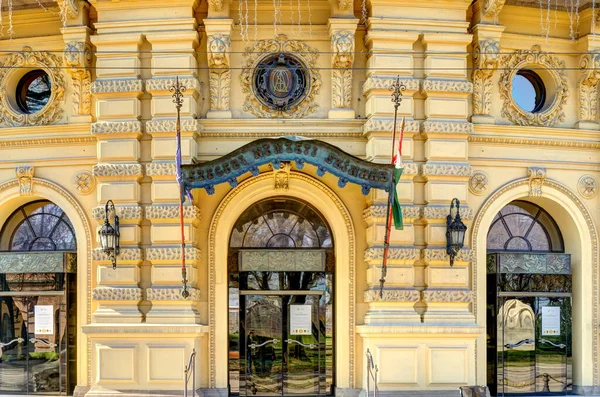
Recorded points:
(519,343)
(559,345)
(3,345)
(45,342)
(254,345)
(310,345)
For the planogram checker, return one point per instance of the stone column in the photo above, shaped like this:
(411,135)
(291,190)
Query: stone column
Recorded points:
(588,90)
(486,52)
(341,32)
(218,47)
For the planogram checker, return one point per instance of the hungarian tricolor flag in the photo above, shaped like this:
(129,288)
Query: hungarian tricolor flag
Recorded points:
(398,168)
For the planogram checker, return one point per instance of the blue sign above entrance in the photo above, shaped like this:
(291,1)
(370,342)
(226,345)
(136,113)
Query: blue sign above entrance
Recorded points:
(326,157)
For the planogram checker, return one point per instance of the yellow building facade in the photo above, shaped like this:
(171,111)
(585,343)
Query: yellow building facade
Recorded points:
(103,125)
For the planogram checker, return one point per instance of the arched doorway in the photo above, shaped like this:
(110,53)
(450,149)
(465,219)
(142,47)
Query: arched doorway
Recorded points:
(529,308)
(38,301)
(281,301)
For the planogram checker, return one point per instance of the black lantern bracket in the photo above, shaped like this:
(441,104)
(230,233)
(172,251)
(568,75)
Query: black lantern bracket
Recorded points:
(109,233)
(455,231)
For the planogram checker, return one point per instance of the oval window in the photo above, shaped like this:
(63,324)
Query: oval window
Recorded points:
(33,91)
(528,90)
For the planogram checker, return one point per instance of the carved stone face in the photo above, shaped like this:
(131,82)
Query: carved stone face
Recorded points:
(217,47)
(343,46)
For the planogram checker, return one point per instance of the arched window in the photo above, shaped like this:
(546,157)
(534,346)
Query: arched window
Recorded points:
(281,224)
(40,226)
(522,226)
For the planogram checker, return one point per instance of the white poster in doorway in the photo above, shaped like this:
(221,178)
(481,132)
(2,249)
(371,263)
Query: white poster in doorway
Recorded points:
(44,319)
(551,320)
(300,319)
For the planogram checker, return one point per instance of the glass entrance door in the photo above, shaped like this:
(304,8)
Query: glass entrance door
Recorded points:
(284,345)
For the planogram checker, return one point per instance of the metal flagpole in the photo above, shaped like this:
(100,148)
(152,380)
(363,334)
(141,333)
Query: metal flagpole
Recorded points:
(178,91)
(396,89)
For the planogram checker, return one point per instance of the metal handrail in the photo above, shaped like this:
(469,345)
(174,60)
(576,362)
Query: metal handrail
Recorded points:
(190,370)
(372,371)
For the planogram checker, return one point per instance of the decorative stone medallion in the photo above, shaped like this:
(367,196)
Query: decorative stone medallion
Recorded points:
(84,182)
(478,183)
(284,82)
(587,186)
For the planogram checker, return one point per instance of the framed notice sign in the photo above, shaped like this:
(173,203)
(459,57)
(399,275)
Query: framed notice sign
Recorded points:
(300,319)
(44,319)
(551,320)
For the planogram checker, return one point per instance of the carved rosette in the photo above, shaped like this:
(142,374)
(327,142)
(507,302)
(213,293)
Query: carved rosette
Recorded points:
(587,186)
(281,44)
(485,61)
(552,113)
(14,65)
(478,184)
(78,59)
(588,87)
(537,175)
(84,182)
(219,77)
(25,178)
(342,46)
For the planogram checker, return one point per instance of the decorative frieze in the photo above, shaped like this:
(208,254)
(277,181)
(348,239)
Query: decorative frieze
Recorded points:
(588,87)
(440,254)
(478,183)
(392,295)
(171,212)
(587,186)
(117,294)
(25,177)
(378,211)
(165,84)
(441,169)
(447,296)
(342,46)
(116,127)
(407,254)
(447,127)
(537,175)
(385,83)
(84,182)
(438,85)
(160,169)
(125,255)
(171,254)
(375,124)
(441,212)
(485,60)
(124,212)
(410,169)
(171,294)
(118,171)
(170,125)
(78,58)
(117,86)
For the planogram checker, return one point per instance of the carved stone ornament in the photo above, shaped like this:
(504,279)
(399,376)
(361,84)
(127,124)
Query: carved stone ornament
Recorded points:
(12,71)
(342,46)
(345,4)
(392,295)
(478,184)
(68,8)
(84,182)
(25,178)
(485,61)
(536,180)
(281,178)
(219,76)
(215,5)
(78,58)
(552,113)
(492,8)
(588,87)
(305,55)
(587,186)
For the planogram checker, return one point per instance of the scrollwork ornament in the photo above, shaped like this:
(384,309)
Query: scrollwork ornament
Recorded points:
(587,186)
(15,63)
(78,58)
(478,183)
(537,175)
(492,8)
(68,8)
(219,76)
(307,55)
(588,87)
(485,61)
(552,113)
(342,45)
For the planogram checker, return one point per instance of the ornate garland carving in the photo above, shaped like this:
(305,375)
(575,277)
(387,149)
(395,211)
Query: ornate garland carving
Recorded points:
(587,186)
(117,86)
(342,46)
(441,212)
(375,124)
(129,171)
(588,87)
(392,295)
(492,8)
(378,211)
(485,61)
(281,44)
(219,77)
(116,127)
(405,254)
(27,58)
(385,83)
(551,114)
(78,59)
(446,127)
(448,296)
(478,184)
(212,265)
(440,254)
(437,85)
(160,169)
(169,125)
(594,249)
(437,169)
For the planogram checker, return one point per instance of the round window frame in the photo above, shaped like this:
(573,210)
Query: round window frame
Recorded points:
(550,69)
(538,85)
(23,86)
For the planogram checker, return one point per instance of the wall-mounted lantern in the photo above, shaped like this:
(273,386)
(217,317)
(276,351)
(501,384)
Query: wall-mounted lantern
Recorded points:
(109,234)
(455,231)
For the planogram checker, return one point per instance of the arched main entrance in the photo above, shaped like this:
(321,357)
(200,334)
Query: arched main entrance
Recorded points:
(38,305)
(281,301)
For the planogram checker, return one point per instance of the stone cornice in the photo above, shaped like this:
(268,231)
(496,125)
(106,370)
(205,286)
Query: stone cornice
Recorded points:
(164,329)
(422,329)
(536,136)
(58,141)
